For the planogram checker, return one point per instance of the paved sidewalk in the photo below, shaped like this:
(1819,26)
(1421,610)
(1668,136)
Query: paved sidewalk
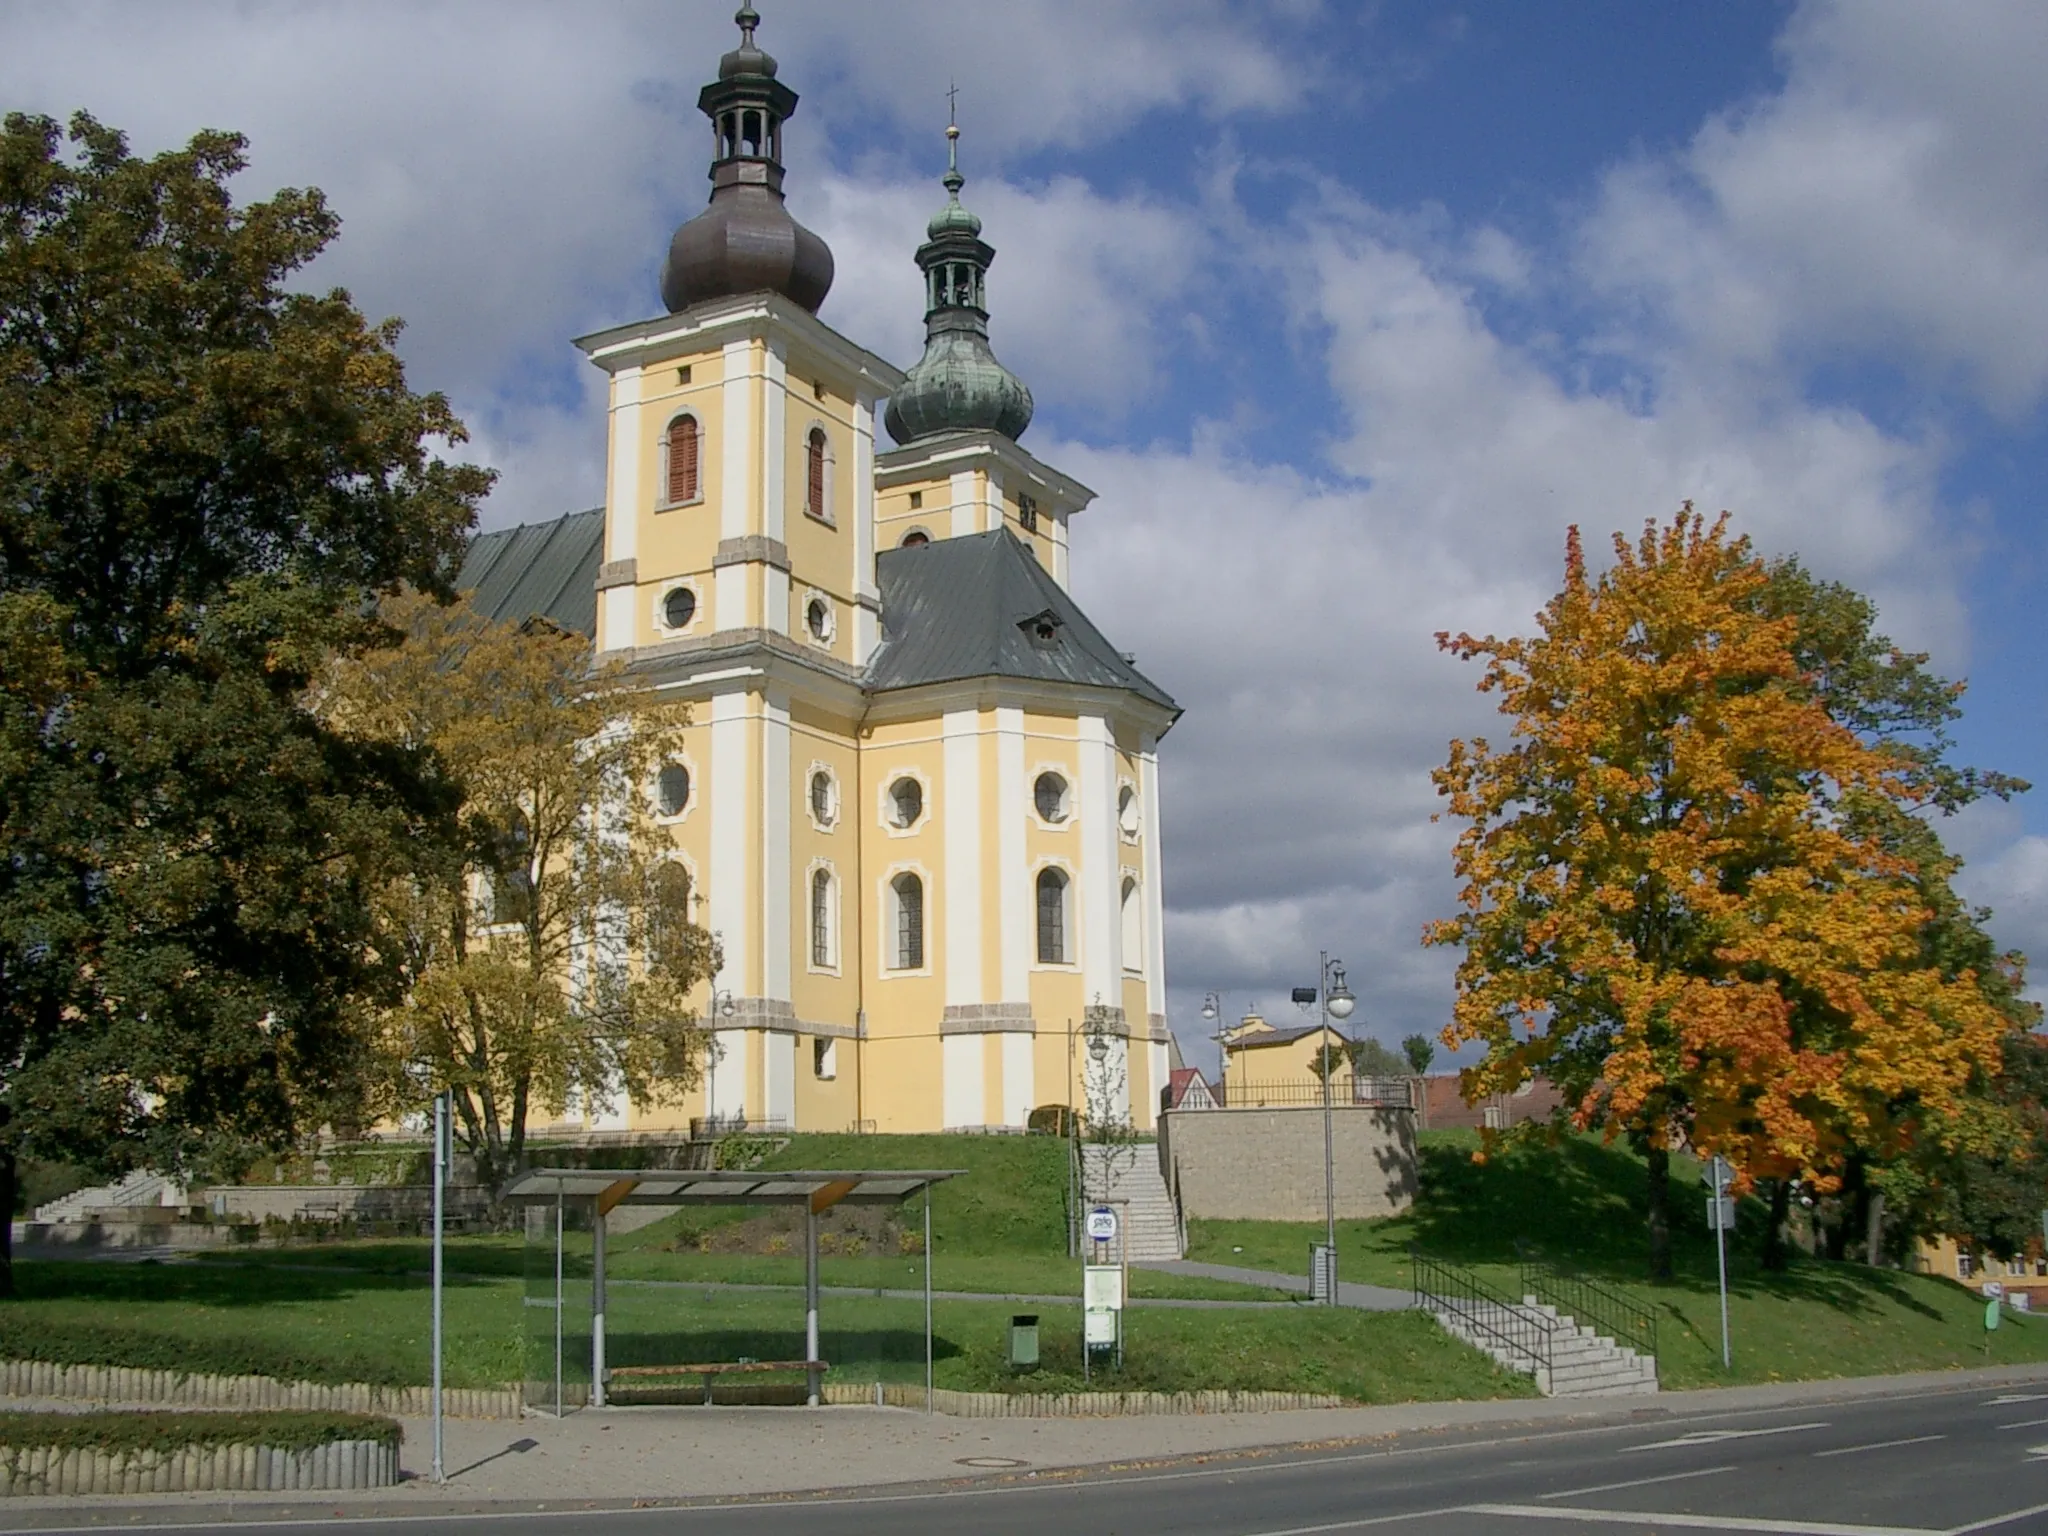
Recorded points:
(1372,1298)
(600,1458)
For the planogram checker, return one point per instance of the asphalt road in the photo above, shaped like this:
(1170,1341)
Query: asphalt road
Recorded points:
(1936,1461)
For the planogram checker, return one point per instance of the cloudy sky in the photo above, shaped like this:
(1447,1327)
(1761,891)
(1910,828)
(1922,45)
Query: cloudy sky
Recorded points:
(1346,310)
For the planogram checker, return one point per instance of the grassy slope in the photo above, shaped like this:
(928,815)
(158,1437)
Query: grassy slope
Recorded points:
(1582,1203)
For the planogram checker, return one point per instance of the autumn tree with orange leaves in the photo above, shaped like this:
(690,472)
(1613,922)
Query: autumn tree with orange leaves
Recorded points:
(1669,909)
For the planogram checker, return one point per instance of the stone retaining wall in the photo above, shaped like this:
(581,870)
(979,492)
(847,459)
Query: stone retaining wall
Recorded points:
(1073,1405)
(127,1386)
(31,1470)
(1267,1164)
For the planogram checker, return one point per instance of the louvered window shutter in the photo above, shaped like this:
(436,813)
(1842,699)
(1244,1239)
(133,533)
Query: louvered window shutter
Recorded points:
(815,491)
(682,459)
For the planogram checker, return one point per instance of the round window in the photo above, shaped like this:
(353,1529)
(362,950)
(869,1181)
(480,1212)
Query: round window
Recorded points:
(672,789)
(823,809)
(906,798)
(818,618)
(1050,793)
(678,608)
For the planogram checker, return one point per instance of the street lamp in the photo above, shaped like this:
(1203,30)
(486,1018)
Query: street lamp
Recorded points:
(1334,999)
(722,1006)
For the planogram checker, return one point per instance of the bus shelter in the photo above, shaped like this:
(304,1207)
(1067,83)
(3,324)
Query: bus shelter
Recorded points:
(562,1203)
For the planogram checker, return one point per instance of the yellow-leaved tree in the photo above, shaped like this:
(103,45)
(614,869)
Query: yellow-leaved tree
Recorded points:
(547,949)
(1666,909)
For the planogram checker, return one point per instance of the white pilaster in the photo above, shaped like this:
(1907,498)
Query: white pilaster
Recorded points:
(1019,1087)
(1059,552)
(960,810)
(1157,1065)
(774,403)
(725,1084)
(778,1079)
(865,629)
(961,1101)
(1013,899)
(729,596)
(727,898)
(615,617)
(774,598)
(966,505)
(775,873)
(734,483)
(622,510)
(1100,919)
(1154,886)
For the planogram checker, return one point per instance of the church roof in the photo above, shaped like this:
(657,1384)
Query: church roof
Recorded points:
(981,606)
(976,606)
(544,570)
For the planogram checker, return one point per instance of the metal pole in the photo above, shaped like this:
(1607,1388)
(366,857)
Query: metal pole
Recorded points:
(811,1299)
(597,1306)
(559,1410)
(440,1182)
(1721,1255)
(1329,1143)
(927,1298)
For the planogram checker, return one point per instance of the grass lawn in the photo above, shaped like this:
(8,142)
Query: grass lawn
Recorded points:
(1581,1203)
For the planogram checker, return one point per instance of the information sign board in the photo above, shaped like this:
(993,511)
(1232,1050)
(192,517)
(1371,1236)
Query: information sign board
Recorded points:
(1102,1287)
(1102,1224)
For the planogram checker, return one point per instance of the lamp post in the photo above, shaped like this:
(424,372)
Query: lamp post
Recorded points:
(1334,999)
(722,1007)
(1212,1011)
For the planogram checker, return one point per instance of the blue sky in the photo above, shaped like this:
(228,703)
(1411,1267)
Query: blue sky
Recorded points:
(1346,310)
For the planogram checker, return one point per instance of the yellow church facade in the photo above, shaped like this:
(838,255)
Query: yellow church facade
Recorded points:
(918,799)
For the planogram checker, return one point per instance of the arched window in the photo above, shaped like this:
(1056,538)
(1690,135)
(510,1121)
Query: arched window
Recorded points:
(1052,917)
(908,892)
(917,538)
(681,449)
(668,917)
(817,455)
(1134,928)
(824,799)
(824,930)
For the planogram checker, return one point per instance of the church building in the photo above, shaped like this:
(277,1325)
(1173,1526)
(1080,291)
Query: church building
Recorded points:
(919,796)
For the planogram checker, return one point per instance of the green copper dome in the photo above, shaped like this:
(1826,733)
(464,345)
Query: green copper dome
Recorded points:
(957,386)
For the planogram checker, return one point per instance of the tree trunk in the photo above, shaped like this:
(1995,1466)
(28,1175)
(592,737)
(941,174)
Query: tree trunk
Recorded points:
(1776,1248)
(1873,1229)
(8,1187)
(1658,1161)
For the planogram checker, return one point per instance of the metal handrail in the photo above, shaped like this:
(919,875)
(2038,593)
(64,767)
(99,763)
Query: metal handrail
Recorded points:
(1523,1332)
(1607,1309)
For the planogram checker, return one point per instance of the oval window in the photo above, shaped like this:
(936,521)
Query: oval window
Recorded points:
(678,608)
(906,798)
(1127,811)
(1050,793)
(818,618)
(672,789)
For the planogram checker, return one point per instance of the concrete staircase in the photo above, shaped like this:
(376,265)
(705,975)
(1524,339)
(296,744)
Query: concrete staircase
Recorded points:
(1580,1363)
(1137,1191)
(138,1189)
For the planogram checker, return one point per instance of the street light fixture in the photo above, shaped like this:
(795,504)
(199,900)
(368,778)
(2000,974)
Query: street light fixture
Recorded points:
(1335,1000)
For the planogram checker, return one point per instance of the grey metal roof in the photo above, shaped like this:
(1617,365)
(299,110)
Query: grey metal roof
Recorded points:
(644,1186)
(538,569)
(962,608)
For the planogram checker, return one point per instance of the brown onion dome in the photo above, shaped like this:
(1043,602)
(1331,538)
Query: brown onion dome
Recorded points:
(745,241)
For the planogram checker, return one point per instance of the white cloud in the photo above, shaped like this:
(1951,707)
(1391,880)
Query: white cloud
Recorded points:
(1891,199)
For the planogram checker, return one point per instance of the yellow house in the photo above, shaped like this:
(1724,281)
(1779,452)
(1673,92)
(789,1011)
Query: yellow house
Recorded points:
(1271,1066)
(919,797)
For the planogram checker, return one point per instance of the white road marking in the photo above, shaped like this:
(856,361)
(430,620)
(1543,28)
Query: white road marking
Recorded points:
(1996,1520)
(1716,1436)
(1639,1482)
(2017,1397)
(1695,1522)
(1879,1445)
(2024,1424)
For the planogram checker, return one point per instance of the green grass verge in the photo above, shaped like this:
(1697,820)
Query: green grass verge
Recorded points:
(174,1431)
(1581,1203)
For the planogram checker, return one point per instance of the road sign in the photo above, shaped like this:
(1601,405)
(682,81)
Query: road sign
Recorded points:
(1721,1213)
(1716,1174)
(1993,1288)
(1102,1224)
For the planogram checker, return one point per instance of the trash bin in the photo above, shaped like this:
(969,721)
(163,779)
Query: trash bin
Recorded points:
(1024,1342)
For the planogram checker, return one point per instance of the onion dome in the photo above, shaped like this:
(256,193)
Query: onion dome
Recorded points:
(957,386)
(745,240)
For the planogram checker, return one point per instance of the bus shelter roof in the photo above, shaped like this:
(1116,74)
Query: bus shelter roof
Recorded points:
(814,1189)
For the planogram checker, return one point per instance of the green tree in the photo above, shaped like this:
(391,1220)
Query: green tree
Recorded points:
(1420,1053)
(548,948)
(205,481)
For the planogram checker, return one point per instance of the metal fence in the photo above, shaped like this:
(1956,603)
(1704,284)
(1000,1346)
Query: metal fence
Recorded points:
(1521,1333)
(1381,1092)
(1607,1309)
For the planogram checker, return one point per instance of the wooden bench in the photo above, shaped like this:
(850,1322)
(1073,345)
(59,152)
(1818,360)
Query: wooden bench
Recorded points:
(710,1371)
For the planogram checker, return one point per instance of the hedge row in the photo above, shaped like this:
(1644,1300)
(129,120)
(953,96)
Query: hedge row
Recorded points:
(33,1336)
(166,1432)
